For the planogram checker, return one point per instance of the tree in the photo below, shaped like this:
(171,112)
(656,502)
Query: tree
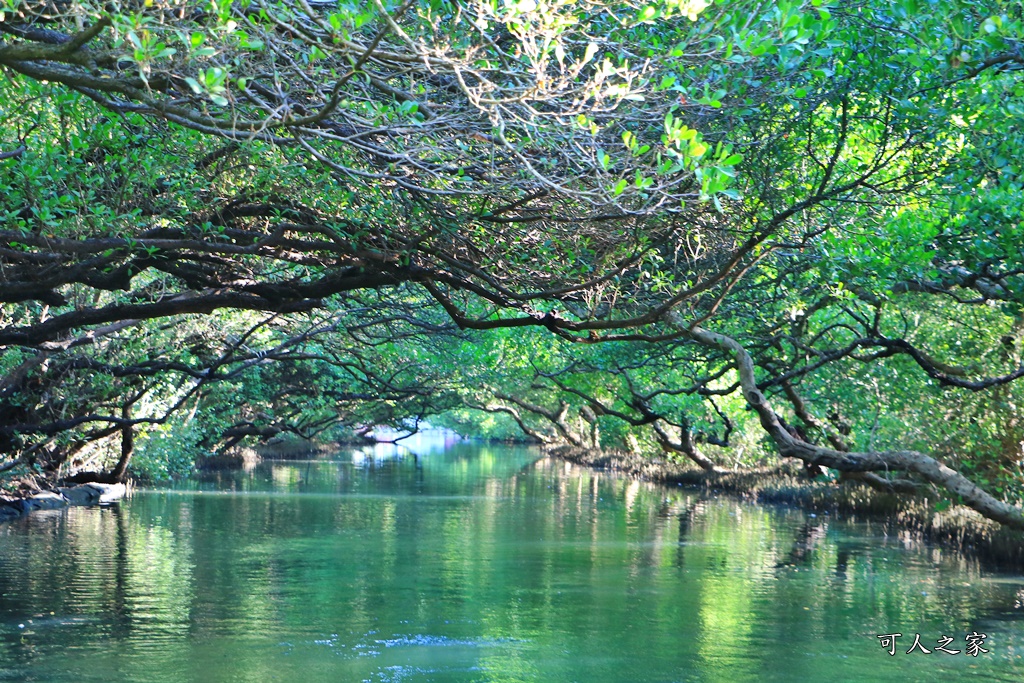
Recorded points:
(776,187)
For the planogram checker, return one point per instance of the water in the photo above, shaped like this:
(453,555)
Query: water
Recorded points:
(480,564)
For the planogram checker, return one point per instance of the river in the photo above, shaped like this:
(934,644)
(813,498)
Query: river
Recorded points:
(482,563)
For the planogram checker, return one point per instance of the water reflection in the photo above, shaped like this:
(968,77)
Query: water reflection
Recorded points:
(477,564)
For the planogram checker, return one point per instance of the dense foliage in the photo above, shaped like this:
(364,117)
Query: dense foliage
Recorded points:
(713,229)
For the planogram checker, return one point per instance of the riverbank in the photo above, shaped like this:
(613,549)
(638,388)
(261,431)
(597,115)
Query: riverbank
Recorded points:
(86,494)
(912,518)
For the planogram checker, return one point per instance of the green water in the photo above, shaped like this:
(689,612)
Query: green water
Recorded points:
(480,564)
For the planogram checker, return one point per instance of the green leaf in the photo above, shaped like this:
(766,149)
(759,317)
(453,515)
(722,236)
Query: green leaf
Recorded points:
(647,13)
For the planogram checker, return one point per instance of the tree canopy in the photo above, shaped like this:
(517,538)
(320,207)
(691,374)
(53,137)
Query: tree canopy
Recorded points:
(675,221)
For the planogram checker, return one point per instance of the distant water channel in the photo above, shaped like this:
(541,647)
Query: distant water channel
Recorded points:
(481,563)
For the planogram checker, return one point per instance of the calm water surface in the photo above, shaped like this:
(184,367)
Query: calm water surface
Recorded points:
(480,564)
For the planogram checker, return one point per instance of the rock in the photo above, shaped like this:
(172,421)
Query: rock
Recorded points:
(46,501)
(108,493)
(94,492)
(81,495)
(10,509)
(86,494)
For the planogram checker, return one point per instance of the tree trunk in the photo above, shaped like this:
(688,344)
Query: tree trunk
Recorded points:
(127,446)
(686,446)
(867,461)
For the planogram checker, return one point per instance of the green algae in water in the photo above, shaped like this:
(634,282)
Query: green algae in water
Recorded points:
(481,564)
